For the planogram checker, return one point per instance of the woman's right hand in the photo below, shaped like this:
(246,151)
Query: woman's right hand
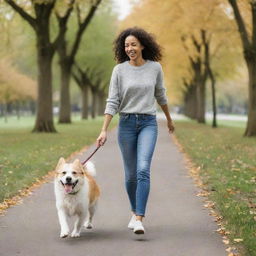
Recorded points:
(102,138)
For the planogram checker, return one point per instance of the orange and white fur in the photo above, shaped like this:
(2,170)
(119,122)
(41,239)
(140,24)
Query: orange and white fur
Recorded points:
(76,193)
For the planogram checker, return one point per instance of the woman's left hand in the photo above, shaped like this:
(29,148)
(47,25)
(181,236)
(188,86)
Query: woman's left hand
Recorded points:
(170,126)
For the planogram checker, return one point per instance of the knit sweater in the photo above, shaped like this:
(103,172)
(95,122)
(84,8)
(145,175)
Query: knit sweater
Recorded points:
(134,89)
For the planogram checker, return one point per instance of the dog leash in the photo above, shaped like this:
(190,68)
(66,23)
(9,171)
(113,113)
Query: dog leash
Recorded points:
(90,155)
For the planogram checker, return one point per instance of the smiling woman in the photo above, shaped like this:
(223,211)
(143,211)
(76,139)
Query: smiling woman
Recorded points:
(144,42)
(133,49)
(136,83)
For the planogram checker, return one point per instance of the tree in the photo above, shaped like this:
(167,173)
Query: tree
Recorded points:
(249,51)
(206,43)
(67,58)
(83,82)
(95,58)
(200,74)
(45,50)
(97,86)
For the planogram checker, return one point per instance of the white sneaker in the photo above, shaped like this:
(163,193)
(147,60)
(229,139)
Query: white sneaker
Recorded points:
(132,222)
(138,228)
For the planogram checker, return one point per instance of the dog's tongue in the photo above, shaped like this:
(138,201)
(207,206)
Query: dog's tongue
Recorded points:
(68,188)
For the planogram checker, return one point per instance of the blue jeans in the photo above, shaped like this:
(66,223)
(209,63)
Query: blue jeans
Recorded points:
(137,135)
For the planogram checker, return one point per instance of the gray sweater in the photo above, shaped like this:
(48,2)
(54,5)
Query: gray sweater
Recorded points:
(133,89)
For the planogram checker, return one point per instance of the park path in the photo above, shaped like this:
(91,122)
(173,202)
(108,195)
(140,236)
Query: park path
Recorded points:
(176,224)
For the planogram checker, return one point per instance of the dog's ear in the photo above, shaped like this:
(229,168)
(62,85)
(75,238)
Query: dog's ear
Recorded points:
(77,165)
(60,163)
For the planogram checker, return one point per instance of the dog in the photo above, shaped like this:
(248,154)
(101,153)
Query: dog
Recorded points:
(76,193)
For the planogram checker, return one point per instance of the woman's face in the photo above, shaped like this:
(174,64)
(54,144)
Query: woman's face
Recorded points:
(133,48)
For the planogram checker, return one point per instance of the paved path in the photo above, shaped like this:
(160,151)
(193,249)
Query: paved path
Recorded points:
(177,224)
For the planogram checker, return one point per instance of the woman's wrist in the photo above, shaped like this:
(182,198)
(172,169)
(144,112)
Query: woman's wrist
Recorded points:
(169,119)
(106,123)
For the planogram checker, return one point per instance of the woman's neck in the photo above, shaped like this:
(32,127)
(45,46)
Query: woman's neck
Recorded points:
(137,62)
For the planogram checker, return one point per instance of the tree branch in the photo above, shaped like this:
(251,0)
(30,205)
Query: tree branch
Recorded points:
(22,13)
(78,68)
(196,44)
(78,11)
(206,44)
(241,25)
(253,9)
(62,21)
(183,39)
(82,27)
(77,79)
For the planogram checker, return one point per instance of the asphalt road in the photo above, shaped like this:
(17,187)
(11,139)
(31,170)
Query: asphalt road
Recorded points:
(176,222)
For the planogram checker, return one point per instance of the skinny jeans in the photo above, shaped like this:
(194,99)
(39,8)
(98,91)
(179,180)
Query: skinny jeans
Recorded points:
(137,136)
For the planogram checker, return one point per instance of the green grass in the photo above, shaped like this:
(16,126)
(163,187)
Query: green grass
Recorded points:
(26,156)
(229,123)
(228,169)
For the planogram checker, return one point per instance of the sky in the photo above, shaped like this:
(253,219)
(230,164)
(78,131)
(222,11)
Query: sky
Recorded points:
(123,7)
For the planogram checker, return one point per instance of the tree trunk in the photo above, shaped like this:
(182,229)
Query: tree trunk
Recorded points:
(94,104)
(214,108)
(102,100)
(193,104)
(65,105)
(251,123)
(65,70)
(99,100)
(249,50)
(1,109)
(85,101)
(5,113)
(200,96)
(206,43)
(190,103)
(187,103)
(18,109)
(32,107)
(44,119)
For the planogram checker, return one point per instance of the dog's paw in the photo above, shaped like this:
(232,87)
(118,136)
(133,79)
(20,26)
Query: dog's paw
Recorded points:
(75,234)
(88,225)
(64,234)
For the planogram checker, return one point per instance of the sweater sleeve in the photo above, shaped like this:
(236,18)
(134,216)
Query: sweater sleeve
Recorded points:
(113,100)
(160,91)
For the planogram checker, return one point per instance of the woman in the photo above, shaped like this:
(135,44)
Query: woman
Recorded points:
(135,84)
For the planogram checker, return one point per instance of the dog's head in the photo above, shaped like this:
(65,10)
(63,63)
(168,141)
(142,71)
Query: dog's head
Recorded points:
(70,175)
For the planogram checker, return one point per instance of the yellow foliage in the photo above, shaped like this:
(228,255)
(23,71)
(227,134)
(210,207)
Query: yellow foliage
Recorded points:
(170,20)
(14,85)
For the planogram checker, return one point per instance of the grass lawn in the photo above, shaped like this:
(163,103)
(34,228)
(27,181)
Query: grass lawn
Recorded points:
(26,156)
(227,163)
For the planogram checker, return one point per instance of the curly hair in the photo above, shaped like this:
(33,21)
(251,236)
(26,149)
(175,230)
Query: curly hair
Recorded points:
(152,50)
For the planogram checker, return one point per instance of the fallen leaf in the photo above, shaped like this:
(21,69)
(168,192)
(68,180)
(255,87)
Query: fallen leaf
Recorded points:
(238,240)
(209,205)
(203,193)
(229,249)
(225,241)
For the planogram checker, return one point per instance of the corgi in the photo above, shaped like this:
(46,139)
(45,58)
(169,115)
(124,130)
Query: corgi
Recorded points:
(76,193)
